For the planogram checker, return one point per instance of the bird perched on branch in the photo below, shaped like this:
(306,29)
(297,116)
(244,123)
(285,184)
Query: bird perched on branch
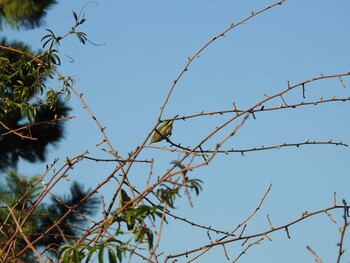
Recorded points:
(128,215)
(163,132)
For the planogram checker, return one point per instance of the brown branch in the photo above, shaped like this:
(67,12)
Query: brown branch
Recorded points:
(342,82)
(196,55)
(257,242)
(15,132)
(225,252)
(317,258)
(115,160)
(27,127)
(286,226)
(262,148)
(68,85)
(259,107)
(270,223)
(105,138)
(19,228)
(160,228)
(342,231)
(138,150)
(220,241)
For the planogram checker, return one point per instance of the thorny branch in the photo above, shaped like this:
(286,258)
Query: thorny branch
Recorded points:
(261,234)
(99,231)
(317,258)
(342,231)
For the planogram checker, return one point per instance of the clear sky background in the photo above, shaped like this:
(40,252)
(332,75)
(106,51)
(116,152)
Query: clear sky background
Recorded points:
(125,81)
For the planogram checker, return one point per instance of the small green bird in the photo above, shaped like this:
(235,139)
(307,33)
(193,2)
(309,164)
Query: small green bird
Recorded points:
(123,198)
(128,216)
(164,131)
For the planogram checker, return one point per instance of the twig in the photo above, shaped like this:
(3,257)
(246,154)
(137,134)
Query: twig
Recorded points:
(257,242)
(342,231)
(268,218)
(303,217)
(153,250)
(19,228)
(225,252)
(196,55)
(27,126)
(317,258)
(221,240)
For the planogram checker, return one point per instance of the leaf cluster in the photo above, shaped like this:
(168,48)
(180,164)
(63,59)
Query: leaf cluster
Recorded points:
(24,97)
(22,81)
(168,194)
(50,40)
(116,251)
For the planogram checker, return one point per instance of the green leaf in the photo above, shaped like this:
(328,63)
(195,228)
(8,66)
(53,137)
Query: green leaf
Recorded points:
(77,255)
(195,184)
(52,33)
(50,38)
(23,110)
(75,16)
(149,234)
(100,254)
(167,194)
(31,111)
(82,37)
(91,252)
(111,255)
(120,253)
(4,62)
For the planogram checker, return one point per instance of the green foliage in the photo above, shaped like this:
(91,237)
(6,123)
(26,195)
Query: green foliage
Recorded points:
(194,184)
(22,80)
(131,214)
(168,194)
(18,192)
(27,101)
(13,147)
(23,100)
(116,250)
(71,253)
(144,235)
(135,217)
(23,13)
(29,113)
(50,40)
(24,95)
(80,35)
(17,197)
(60,206)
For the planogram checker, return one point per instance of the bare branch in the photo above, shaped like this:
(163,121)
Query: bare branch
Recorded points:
(317,258)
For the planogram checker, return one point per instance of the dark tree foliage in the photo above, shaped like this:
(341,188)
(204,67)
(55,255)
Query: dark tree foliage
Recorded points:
(19,194)
(30,116)
(59,207)
(23,13)
(12,146)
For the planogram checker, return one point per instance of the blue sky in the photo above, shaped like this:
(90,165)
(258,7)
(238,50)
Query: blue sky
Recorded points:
(125,81)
